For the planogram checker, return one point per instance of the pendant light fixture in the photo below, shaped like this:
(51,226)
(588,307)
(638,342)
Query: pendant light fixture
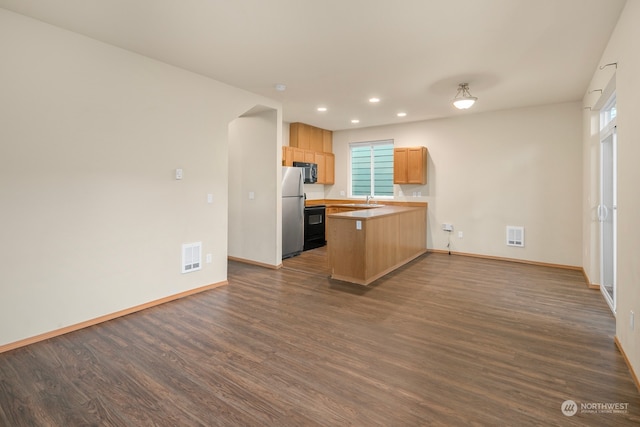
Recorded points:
(463,99)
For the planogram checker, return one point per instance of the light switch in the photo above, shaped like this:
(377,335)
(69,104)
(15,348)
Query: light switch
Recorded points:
(178,173)
(209,198)
(252,195)
(358,225)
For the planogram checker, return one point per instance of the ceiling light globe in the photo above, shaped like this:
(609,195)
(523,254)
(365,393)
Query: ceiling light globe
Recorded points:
(463,99)
(464,103)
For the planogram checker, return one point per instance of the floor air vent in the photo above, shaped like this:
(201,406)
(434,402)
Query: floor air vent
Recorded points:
(515,236)
(191,257)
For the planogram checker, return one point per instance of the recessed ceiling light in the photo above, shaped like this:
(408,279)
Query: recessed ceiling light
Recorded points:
(280,87)
(355,121)
(402,114)
(322,109)
(374,100)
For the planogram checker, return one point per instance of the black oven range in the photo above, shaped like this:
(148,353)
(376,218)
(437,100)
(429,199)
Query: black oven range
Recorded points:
(314,217)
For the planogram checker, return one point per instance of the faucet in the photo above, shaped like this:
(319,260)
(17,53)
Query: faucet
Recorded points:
(369,198)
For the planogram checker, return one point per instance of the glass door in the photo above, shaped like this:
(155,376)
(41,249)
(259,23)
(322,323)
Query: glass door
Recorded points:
(607,209)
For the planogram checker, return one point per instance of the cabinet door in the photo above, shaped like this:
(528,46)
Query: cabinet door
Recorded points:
(330,169)
(315,140)
(417,165)
(298,154)
(299,136)
(309,156)
(287,156)
(400,165)
(327,141)
(410,165)
(320,159)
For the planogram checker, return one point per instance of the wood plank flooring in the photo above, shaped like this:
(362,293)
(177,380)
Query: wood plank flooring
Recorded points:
(445,340)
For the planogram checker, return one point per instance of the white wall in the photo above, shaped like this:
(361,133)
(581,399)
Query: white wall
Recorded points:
(92,217)
(255,224)
(622,48)
(486,171)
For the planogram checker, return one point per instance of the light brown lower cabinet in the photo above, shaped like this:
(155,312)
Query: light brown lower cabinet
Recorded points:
(365,245)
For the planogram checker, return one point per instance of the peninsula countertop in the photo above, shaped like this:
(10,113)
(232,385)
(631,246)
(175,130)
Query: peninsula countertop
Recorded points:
(370,211)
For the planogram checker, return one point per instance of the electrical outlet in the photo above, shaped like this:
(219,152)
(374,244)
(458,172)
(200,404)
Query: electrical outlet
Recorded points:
(342,193)
(447,227)
(209,198)
(460,235)
(209,258)
(252,195)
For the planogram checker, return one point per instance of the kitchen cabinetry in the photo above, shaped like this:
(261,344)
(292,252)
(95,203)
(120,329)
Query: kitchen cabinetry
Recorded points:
(300,135)
(329,210)
(309,156)
(325,162)
(311,138)
(311,145)
(330,168)
(292,154)
(410,165)
(287,156)
(326,167)
(327,141)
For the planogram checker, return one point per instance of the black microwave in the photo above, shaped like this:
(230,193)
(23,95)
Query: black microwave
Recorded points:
(310,171)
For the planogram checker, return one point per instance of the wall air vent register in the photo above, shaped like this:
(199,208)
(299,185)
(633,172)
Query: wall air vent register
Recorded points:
(191,257)
(515,236)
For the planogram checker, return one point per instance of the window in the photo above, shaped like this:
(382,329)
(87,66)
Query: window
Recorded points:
(372,168)
(608,113)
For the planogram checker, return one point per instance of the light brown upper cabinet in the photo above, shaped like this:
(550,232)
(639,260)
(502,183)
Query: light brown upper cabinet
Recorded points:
(312,145)
(299,155)
(311,138)
(326,167)
(330,168)
(293,154)
(410,165)
(321,160)
(309,156)
(326,162)
(287,156)
(327,141)
(300,136)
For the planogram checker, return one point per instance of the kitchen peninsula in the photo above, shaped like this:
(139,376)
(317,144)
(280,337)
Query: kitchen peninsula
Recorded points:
(365,244)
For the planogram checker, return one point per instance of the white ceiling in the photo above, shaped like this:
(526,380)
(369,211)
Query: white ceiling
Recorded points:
(338,53)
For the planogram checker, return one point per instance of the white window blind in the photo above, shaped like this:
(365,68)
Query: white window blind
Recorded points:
(372,168)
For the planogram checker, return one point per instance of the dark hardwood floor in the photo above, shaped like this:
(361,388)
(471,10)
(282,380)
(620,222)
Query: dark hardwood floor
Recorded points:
(445,340)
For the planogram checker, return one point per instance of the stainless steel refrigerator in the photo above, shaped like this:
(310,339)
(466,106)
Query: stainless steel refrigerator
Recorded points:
(292,211)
